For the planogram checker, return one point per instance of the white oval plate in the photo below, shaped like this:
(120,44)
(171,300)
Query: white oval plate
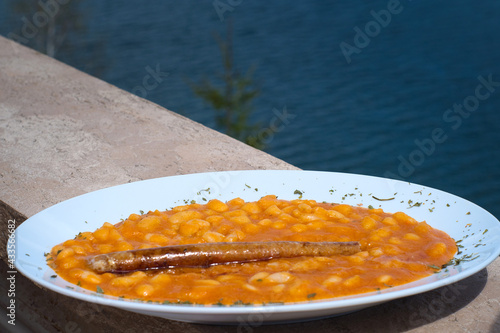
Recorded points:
(477,230)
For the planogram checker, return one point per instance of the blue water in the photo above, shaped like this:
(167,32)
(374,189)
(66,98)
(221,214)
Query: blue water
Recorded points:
(367,116)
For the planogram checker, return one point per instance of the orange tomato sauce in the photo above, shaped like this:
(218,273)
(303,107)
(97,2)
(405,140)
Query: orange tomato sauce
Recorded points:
(396,249)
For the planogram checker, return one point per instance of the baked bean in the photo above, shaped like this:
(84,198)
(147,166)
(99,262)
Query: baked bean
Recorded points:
(123,281)
(299,227)
(335,279)
(383,232)
(287,218)
(101,234)
(316,225)
(305,208)
(250,287)
(185,215)
(207,282)
(344,209)
(352,281)
(259,277)
(436,250)
(384,279)
(149,223)
(134,217)
(335,214)
(273,210)
(251,207)
(191,227)
(395,240)
(240,219)
(402,217)
(278,225)
(213,237)
(181,208)
(422,228)
(376,252)
(267,201)
(144,290)
(217,205)
(251,228)
(68,263)
(236,202)
(280,277)
(90,277)
(411,236)
(105,248)
(64,253)
(278,288)
(369,223)
(356,259)
(265,222)
(306,265)
(389,221)
(235,236)
(79,250)
(159,239)
(161,279)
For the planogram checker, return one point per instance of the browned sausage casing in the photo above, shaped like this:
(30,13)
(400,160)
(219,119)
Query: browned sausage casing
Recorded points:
(208,254)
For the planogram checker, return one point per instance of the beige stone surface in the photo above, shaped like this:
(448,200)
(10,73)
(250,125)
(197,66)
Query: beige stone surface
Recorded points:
(64,133)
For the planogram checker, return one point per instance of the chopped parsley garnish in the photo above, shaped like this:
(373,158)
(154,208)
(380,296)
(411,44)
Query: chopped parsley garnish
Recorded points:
(458,261)
(411,204)
(311,295)
(383,199)
(205,190)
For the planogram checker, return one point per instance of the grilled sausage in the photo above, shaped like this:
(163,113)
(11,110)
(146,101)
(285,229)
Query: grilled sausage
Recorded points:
(208,254)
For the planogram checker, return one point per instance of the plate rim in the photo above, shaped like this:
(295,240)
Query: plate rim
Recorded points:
(357,300)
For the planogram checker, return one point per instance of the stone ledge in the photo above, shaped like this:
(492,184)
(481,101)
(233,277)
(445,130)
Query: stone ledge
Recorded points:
(64,133)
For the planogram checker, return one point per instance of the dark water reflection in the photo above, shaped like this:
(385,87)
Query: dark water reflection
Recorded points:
(375,115)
